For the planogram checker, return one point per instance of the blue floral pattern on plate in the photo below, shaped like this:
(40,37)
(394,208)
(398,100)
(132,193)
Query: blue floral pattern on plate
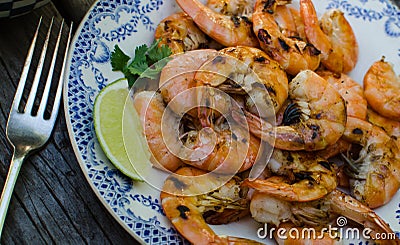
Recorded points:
(387,11)
(109,22)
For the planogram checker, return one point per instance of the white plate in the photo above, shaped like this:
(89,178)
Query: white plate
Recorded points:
(128,23)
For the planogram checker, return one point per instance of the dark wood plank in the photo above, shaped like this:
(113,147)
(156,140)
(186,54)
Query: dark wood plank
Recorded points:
(52,201)
(73,10)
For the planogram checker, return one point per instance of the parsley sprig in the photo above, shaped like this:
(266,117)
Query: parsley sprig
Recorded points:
(147,63)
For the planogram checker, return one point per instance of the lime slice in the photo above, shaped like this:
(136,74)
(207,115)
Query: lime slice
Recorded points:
(109,109)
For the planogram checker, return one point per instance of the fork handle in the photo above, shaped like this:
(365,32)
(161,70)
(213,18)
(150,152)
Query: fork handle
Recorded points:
(8,188)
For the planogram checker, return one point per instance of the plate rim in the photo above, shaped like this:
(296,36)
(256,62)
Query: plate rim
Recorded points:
(71,133)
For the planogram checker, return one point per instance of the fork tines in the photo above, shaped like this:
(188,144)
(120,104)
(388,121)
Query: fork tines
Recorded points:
(30,103)
(27,130)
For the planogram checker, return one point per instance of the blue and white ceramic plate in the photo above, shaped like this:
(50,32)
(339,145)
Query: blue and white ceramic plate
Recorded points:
(129,23)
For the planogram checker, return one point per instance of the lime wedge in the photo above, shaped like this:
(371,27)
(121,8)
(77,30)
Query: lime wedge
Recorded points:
(109,109)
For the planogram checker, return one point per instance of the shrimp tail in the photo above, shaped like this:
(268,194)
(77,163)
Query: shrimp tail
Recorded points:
(332,35)
(311,27)
(227,30)
(350,207)
(304,190)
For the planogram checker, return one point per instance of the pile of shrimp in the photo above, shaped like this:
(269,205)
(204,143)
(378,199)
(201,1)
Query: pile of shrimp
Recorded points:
(284,70)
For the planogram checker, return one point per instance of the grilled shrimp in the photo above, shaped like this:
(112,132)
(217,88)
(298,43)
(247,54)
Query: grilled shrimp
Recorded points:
(291,52)
(229,30)
(375,174)
(317,214)
(185,210)
(351,91)
(248,71)
(302,177)
(233,7)
(150,107)
(391,127)
(315,119)
(221,149)
(180,33)
(382,89)
(177,78)
(332,35)
(290,22)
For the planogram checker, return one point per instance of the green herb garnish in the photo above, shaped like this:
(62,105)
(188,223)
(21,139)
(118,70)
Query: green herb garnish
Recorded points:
(142,63)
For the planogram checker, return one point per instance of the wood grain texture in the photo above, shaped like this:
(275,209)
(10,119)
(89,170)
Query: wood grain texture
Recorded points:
(52,202)
(73,10)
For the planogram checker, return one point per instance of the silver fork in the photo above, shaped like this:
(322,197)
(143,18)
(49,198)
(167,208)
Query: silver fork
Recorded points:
(27,132)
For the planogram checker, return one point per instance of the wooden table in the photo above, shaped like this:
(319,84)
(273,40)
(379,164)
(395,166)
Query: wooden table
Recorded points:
(52,202)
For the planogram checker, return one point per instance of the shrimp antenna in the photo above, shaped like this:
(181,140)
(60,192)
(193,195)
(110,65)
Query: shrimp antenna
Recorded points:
(351,168)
